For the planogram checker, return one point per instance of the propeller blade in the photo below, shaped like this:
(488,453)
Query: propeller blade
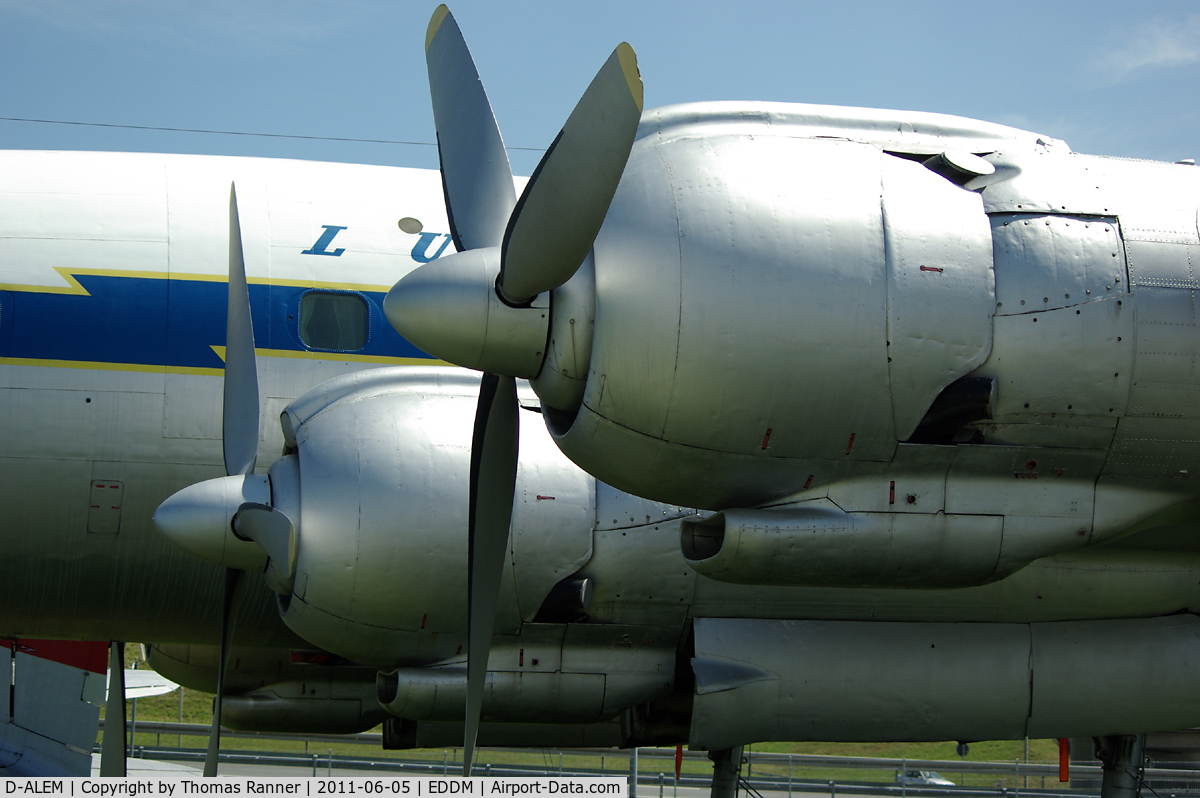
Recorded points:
(476,176)
(229,608)
(112,745)
(493,481)
(240,410)
(271,529)
(560,212)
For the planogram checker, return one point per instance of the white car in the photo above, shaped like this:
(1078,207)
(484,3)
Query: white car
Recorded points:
(923,778)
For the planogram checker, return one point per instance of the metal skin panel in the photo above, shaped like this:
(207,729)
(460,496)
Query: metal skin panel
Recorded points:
(1163,449)
(705,410)
(914,482)
(797,680)
(440,694)
(821,545)
(914,132)
(1145,679)
(1048,261)
(389,451)
(638,303)
(1166,380)
(619,510)
(781,245)
(940,287)
(563,378)
(1078,585)
(343,707)
(573,673)
(1063,364)
(863,681)
(1045,495)
(1049,179)
(639,576)
(638,661)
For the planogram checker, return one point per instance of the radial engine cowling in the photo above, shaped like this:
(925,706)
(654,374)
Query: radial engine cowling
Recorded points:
(766,304)
(382,464)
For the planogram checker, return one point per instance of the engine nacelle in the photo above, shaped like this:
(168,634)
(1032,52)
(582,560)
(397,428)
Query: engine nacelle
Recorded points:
(552,673)
(330,707)
(822,545)
(760,680)
(277,690)
(781,293)
(382,464)
(767,302)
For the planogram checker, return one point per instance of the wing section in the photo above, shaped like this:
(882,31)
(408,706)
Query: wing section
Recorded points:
(51,710)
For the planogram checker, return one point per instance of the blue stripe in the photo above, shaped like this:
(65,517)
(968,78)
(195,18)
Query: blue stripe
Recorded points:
(172,322)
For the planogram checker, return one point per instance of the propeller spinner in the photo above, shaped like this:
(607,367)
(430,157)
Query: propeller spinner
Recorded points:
(486,307)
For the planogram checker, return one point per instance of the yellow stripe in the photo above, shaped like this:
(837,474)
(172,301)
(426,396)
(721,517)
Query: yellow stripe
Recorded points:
(340,358)
(68,274)
(96,365)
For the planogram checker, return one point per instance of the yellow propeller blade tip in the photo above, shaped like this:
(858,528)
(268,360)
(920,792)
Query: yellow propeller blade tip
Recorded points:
(628,59)
(435,22)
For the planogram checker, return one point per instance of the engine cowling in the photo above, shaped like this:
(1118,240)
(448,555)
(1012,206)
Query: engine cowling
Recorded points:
(382,462)
(768,305)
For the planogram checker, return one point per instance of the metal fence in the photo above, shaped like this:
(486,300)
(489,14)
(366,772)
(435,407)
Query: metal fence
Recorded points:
(778,774)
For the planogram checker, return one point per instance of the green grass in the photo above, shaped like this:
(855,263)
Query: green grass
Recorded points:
(197,708)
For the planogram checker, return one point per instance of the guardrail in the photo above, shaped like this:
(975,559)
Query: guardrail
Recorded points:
(761,772)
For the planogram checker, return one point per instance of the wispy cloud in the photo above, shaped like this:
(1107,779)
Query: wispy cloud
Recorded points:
(1157,43)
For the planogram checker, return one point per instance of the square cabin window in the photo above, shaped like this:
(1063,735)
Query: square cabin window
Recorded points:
(333,321)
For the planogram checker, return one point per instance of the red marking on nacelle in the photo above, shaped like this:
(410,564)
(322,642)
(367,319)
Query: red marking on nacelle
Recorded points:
(767,438)
(930,269)
(542,498)
(850,445)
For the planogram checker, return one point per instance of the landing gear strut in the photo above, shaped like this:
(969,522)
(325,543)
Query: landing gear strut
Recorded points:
(727,764)
(1123,758)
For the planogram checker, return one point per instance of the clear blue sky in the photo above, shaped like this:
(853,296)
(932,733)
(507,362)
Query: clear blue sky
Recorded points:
(1111,78)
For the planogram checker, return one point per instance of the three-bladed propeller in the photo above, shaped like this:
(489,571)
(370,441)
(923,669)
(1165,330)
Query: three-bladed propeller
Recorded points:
(229,521)
(239,439)
(483,307)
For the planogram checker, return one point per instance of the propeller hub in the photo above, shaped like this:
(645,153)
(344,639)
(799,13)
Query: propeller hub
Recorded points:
(198,519)
(451,309)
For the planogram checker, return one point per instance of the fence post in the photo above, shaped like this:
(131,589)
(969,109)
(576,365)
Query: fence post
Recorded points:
(314,756)
(903,780)
(832,790)
(1017,780)
(445,754)
(789,776)
(633,772)
(660,785)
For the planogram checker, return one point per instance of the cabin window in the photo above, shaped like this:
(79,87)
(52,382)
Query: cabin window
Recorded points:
(331,320)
